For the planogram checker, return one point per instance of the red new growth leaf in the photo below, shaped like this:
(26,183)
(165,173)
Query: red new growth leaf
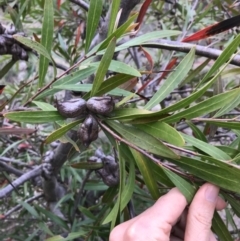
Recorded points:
(78,35)
(214,29)
(59,4)
(142,13)
(1,88)
(168,68)
(149,58)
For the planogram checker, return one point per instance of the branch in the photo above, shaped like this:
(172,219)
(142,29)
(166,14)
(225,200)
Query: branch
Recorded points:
(10,169)
(81,4)
(19,181)
(185,47)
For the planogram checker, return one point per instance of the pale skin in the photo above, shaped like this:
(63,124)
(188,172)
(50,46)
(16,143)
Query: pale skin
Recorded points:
(169,219)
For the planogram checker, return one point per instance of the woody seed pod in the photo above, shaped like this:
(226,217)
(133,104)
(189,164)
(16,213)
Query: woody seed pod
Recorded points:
(72,108)
(88,131)
(101,105)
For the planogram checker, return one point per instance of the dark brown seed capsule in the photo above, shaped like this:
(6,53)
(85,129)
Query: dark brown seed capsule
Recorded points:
(88,131)
(72,108)
(101,105)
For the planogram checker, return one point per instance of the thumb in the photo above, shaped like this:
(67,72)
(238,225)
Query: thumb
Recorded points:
(200,214)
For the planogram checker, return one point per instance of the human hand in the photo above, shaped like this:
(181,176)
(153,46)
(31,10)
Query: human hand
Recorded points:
(168,219)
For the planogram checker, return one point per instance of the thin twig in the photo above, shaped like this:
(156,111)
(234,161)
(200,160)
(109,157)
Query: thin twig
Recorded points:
(60,76)
(155,160)
(19,206)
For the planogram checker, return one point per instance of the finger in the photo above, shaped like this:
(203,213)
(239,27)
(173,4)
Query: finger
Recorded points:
(157,220)
(212,237)
(200,214)
(221,204)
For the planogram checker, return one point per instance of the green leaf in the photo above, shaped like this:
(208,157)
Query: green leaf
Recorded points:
(120,67)
(147,173)
(114,10)
(174,79)
(87,213)
(113,214)
(147,37)
(105,86)
(20,13)
(72,78)
(14,16)
(87,165)
(53,217)
(207,148)
(30,209)
(223,123)
(7,68)
(127,189)
(103,66)
(109,84)
(46,39)
(141,139)
(118,33)
(204,107)
(163,131)
(197,132)
(33,45)
(109,195)
(225,56)
(43,105)
(184,187)
(160,175)
(233,202)
(70,236)
(93,17)
(34,117)
(129,113)
(61,131)
(228,107)
(220,228)
(195,72)
(226,177)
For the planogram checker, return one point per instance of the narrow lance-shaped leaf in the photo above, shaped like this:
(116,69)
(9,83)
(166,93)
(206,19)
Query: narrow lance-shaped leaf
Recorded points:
(94,14)
(147,173)
(142,139)
(61,131)
(110,84)
(34,117)
(114,10)
(46,39)
(225,177)
(118,33)
(184,187)
(163,131)
(174,79)
(103,66)
(33,45)
(121,67)
(72,78)
(204,107)
(219,227)
(207,148)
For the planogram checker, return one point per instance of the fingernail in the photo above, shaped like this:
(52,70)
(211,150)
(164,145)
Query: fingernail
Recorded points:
(211,193)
